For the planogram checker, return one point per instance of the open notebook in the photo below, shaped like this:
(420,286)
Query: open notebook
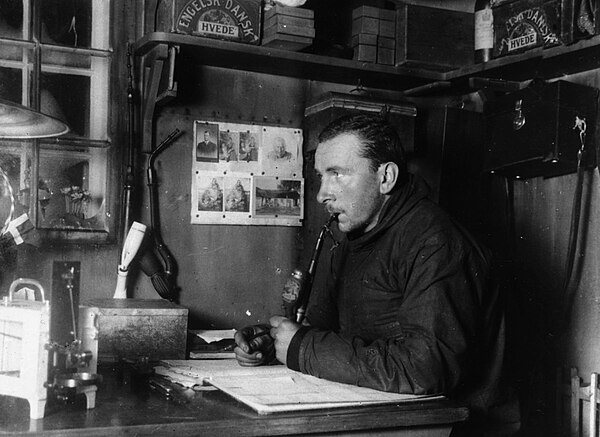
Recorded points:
(270,389)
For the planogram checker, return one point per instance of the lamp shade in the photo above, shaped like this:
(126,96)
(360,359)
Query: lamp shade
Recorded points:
(20,122)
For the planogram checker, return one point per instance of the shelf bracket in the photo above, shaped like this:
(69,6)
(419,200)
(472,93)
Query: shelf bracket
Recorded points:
(158,86)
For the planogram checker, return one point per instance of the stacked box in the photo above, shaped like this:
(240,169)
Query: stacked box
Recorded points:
(386,40)
(288,28)
(373,35)
(233,20)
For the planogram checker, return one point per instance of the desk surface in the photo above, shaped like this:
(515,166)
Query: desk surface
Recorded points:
(126,406)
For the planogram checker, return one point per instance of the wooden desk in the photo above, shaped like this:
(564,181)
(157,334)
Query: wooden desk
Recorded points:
(127,407)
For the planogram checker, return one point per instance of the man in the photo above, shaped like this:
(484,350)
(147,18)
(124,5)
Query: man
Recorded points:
(206,149)
(409,304)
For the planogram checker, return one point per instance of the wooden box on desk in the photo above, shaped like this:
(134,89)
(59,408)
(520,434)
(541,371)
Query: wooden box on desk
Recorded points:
(433,38)
(133,328)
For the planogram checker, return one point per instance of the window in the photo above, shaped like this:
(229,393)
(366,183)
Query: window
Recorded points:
(55,58)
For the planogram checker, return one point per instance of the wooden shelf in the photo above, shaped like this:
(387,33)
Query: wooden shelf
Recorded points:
(541,63)
(259,59)
(157,52)
(537,63)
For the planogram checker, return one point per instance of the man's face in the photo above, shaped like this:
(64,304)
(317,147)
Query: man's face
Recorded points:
(206,137)
(348,185)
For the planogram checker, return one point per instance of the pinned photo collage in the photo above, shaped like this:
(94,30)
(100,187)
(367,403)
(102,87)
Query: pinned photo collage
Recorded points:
(247,174)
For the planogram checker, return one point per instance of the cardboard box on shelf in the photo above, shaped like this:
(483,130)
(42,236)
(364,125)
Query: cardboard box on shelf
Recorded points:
(365,53)
(289,11)
(363,38)
(282,29)
(365,11)
(288,28)
(365,24)
(287,42)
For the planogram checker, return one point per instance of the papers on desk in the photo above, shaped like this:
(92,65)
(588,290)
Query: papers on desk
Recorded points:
(208,344)
(270,389)
(213,335)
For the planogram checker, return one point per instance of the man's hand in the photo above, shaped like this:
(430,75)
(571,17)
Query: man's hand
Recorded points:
(282,331)
(255,346)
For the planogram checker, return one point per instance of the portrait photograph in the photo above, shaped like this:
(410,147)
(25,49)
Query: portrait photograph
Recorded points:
(281,151)
(278,197)
(248,146)
(237,194)
(210,193)
(206,140)
(228,146)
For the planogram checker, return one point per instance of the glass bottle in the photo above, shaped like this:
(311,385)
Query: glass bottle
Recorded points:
(484,30)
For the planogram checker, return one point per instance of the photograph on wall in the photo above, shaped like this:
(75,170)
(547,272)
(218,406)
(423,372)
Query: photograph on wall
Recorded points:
(237,194)
(275,197)
(227,157)
(282,149)
(228,146)
(209,193)
(248,146)
(206,138)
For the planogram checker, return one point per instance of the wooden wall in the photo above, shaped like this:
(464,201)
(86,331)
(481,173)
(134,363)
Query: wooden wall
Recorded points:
(229,276)
(542,217)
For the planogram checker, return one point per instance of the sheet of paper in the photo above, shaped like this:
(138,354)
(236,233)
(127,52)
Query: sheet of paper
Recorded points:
(269,389)
(211,335)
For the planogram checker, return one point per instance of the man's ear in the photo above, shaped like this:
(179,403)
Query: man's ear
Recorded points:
(388,177)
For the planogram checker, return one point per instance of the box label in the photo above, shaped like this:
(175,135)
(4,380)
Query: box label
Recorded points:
(521,42)
(226,19)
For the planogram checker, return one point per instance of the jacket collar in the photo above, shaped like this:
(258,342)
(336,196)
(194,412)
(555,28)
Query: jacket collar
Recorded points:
(401,202)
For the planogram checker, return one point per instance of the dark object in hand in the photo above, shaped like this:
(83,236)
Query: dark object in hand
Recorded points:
(255,346)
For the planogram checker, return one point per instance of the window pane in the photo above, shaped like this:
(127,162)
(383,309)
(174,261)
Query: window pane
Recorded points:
(72,189)
(67,22)
(10,84)
(64,59)
(67,97)
(11,19)
(16,164)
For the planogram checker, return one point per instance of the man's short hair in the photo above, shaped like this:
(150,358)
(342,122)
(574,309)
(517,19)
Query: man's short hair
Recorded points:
(379,139)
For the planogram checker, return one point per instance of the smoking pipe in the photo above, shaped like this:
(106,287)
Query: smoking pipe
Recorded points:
(298,287)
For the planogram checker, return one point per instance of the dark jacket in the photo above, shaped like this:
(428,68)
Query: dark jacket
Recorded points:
(409,307)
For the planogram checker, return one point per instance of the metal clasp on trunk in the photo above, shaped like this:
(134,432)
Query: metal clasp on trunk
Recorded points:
(519,119)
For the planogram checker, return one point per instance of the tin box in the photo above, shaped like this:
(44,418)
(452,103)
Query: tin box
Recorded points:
(133,328)
(526,24)
(233,20)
